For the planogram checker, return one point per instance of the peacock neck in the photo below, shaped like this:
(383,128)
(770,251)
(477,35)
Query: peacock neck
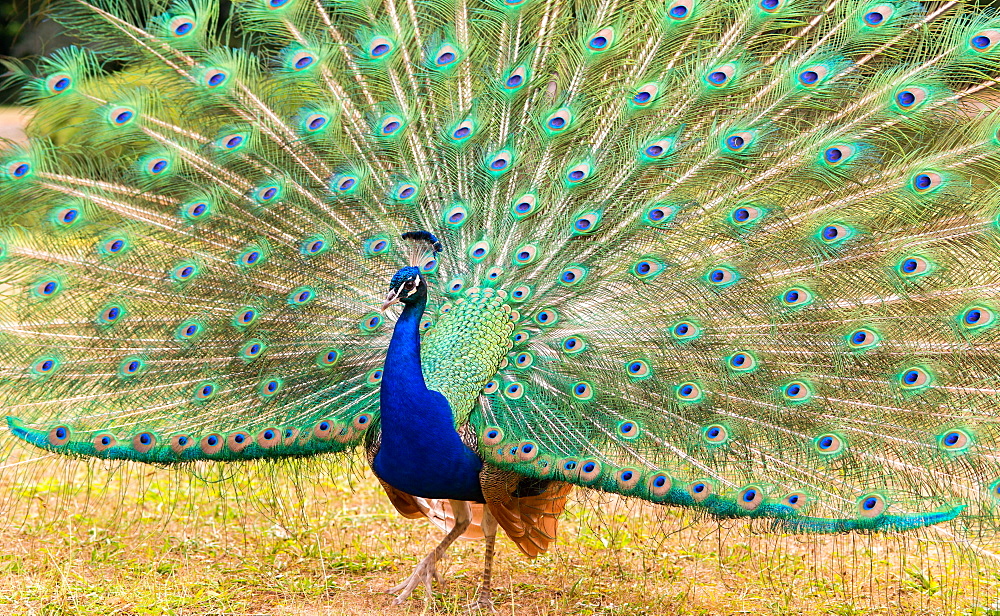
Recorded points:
(420,451)
(402,374)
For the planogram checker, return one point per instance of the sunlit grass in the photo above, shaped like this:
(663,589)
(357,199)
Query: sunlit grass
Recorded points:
(152,541)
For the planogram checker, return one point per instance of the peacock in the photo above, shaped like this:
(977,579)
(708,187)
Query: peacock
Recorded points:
(736,256)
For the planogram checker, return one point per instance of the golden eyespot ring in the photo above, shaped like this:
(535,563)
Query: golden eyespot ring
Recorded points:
(103,442)
(212,444)
(268,438)
(143,442)
(238,441)
(180,442)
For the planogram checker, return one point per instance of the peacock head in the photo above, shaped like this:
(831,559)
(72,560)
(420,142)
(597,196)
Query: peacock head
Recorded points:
(407,286)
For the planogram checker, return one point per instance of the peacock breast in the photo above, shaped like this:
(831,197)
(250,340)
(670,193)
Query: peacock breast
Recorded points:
(466,346)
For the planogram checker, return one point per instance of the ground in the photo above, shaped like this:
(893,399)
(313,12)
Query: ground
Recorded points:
(157,541)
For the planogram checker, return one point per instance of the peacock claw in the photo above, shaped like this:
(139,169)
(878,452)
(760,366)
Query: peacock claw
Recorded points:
(483,604)
(425,572)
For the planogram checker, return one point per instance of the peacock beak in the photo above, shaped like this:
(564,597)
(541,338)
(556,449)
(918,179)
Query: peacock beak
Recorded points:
(392,298)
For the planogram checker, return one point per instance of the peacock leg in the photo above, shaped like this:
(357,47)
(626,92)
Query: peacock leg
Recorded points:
(489,526)
(426,570)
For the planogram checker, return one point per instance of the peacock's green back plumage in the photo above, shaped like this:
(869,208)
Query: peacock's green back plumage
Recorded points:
(733,255)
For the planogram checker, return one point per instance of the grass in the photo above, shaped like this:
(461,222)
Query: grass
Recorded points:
(141,540)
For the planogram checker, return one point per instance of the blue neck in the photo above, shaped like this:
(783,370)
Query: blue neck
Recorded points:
(421,453)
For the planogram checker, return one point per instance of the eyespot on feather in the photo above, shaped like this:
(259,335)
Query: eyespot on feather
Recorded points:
(829,444)
(515,79)
(722,277)
(269,387)
(184,271)
(878,16)
(627,479)
(103,442)
(58,83)
(181,26)
(628,429)
(527,451)
(742,361)
(689,392)
(179,443)
(446,56)
(638,369)
(211,444)
(59,436)
(121,116)
(572,276)
(813,76)
(582,391)
(914,379)
(213,78)
(837,155)
(268,438)
(391,126)
(659,484)
(796,297)
(680,10)
(547,317)
(514,391)
(238,441)
(872,505)
(984,40)
(315,122)
(66,217)
(558,121)
(720,76)
(520,293)
(589,470)
(910,98)
(480,250)
(18,169)
(913,266)
(645,95)
(977,317)
(301,296)
(684,331)
(205,391)
(737,142)
(658,149)
(750,498)
(715,434)
(601,41)
(955,440)
(578,173)
(462,132)
(700,490)
(797,391)
(500,163)
(795,500)
(573,344)
(926,182)
(323,430)
(143,442)
(862,339)
(492,436)
(380,48)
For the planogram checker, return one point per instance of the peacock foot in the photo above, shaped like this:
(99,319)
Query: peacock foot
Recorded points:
(484,603)
(425,572)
